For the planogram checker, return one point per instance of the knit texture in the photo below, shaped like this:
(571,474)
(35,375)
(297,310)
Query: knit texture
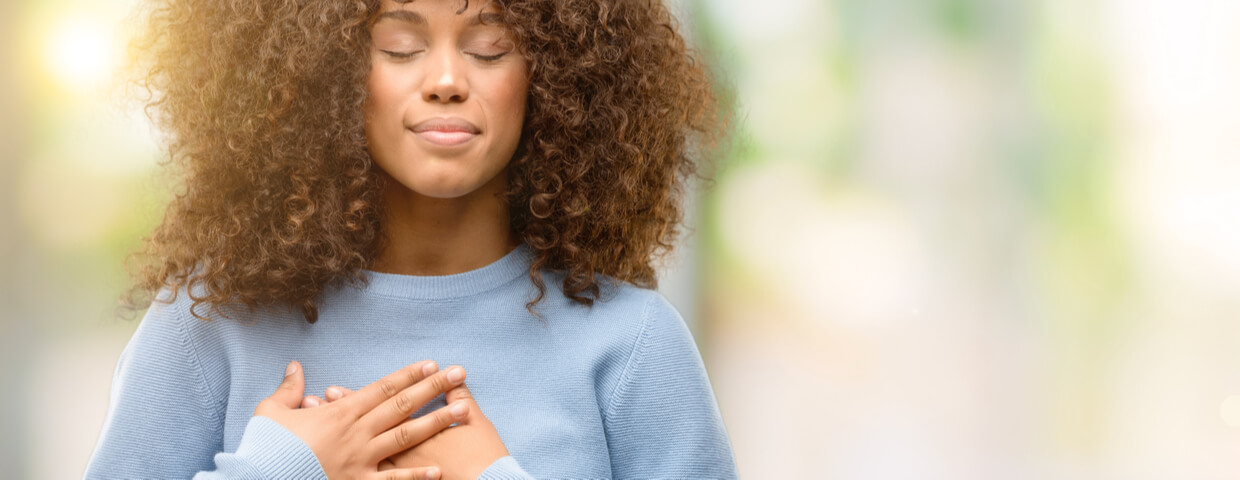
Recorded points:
(617,390)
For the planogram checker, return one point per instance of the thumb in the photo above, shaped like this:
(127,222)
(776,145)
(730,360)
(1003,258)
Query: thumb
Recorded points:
(292,388)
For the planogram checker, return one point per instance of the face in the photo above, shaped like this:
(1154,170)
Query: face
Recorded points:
(447,94)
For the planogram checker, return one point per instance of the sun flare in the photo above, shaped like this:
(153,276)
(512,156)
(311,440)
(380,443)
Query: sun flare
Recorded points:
(79,54)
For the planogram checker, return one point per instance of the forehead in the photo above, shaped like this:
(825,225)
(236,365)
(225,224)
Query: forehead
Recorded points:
(459,7)
(417,12)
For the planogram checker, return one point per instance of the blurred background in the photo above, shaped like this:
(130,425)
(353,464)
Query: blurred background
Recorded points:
(958,239)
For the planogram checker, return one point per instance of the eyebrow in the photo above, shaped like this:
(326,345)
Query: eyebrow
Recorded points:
(404,16)
(417,18)
(486,18)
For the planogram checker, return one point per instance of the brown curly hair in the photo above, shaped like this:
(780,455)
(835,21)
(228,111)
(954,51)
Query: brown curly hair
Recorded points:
(262,101)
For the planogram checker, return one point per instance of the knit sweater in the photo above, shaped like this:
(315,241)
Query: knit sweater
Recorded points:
(613,390)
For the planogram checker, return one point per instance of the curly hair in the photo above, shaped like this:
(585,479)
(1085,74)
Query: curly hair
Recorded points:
(261,102)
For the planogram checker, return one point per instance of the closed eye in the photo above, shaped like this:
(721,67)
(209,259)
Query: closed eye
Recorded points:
(489,58)
(400,54)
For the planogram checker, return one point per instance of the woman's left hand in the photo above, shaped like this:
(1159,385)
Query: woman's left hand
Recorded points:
(463,451)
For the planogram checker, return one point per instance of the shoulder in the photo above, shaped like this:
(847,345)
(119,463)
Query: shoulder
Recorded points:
(174,317)
(656,320)
(167,352)
(208,324)
(167,322)
(172,339)
(620,305)
(621,301)
(660,329)
(622,317)
(635,332)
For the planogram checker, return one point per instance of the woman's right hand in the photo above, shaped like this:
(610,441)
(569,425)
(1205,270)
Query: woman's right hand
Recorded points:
(351,436)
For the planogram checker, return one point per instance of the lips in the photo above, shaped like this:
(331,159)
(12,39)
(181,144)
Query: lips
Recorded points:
(446,124)
(446,131)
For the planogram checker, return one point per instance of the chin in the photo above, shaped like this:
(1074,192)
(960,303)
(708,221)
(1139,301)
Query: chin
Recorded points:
(443,189)
(444,194)
(446,181)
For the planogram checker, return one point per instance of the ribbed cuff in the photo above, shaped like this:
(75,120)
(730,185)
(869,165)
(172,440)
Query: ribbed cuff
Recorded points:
(277,453)
(505,468)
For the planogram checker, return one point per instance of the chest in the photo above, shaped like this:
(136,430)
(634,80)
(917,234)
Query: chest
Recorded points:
(545,406)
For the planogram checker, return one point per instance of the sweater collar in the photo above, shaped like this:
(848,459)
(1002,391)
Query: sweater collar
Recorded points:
(499,273)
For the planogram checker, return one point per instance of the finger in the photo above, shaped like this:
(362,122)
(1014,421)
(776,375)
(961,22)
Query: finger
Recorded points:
(414,431)
(462,394)
(421,473)
(387,387)
(291,390)
(400,406)
(334,393)
(311,402)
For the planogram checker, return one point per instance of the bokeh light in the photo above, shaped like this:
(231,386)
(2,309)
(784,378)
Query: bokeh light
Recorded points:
(80,52)
(1230,411)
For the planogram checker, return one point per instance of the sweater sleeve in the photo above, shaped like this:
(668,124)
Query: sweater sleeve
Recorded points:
(164,421)
(505,468)
(662,420)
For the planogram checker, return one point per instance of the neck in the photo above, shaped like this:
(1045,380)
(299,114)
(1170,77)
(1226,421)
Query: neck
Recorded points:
(437,236)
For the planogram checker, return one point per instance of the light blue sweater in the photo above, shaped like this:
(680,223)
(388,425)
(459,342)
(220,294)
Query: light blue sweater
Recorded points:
(616,390)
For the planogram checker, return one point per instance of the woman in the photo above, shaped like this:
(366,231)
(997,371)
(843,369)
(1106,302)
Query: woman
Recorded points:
(372,183)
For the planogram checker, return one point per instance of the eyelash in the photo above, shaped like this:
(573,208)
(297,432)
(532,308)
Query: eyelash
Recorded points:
(489,58)
(485,58)
(398,54)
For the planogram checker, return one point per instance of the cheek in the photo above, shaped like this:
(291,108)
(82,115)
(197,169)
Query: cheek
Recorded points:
(370,112)
(510,97)
(381,118)
(382,95)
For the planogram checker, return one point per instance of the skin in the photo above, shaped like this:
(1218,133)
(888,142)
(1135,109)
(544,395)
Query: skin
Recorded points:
(443,211)
(352,437)
(443,215)
(457,445)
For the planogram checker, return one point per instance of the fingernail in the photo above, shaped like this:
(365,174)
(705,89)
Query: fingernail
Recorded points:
(292,368)
(333,394)
(432,473)
(430,368)
(313,402)
(456,374)
(459,409)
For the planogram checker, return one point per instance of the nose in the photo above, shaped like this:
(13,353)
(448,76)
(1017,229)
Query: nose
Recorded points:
(445,80)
